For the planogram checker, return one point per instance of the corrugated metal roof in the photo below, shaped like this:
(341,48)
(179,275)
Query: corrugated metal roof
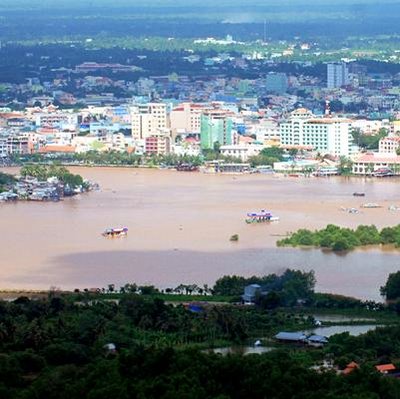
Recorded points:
(318,339)
(290,336)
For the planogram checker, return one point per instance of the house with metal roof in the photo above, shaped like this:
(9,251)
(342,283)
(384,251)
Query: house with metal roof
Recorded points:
(317,340)
(291,337)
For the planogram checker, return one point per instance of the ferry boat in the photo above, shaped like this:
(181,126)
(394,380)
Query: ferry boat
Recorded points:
(262,216)
(116,232)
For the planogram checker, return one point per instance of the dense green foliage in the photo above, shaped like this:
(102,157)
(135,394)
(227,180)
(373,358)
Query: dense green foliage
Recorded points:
(289,287)
(368,141)
(391,290)
(267,156)
(42,172)
(5,181)
(56,348)
(342,239)
(381,345)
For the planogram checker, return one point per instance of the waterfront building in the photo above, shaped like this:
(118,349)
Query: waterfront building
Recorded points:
(242,151)
(147,118)
(372,162)
(157,144)
(337,75)
(325,135)
(216,127)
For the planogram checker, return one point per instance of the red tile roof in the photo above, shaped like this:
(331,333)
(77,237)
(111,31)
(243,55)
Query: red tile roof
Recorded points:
(377,158)
(385,367)
(57,148)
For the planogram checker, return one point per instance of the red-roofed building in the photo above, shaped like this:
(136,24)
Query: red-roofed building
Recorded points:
(372,162)
(386,368)
(57,149)
(350,368)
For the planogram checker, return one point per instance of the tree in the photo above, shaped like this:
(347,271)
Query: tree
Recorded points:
(391,290)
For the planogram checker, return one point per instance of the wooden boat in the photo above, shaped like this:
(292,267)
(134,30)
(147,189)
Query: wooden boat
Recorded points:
(358,194)
(116,232)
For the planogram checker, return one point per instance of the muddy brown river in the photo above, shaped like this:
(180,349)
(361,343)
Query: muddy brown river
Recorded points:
(179,229)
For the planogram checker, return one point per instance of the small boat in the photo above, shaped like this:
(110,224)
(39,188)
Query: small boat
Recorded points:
(371,205)
(262,216)
(358,194)
(118,232)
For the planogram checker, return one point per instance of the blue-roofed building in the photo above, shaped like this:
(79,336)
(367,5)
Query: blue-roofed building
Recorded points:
(317,340)
(291,337)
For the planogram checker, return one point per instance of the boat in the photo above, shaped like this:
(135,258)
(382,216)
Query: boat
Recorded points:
(383,172)
(262,216)
(116,232)
(185,167)
(371,205)
(356,194)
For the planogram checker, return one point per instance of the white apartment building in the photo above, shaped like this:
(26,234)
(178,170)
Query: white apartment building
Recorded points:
(147,118)
(325,135)
(267,132)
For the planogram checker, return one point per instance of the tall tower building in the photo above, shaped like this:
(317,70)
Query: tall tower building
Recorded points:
(216,127)
(337,75)
(147,119)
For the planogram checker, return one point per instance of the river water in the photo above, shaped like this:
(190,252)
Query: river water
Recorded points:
(179,229)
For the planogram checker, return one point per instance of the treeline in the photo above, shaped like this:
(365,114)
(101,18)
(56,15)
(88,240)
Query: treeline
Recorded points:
(280,290)
(343,239)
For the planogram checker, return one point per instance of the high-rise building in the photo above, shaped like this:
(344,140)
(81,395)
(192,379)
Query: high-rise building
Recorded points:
(216,127)
(277,83)
(326,135)
(147,119)
(337,75)
(186,118)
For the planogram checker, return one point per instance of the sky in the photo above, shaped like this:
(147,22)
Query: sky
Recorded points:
(173,3)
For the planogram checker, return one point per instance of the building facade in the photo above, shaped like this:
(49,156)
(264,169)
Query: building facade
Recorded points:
(389,145)
(216,127)
(337,75)
(326,135)
(146,119)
